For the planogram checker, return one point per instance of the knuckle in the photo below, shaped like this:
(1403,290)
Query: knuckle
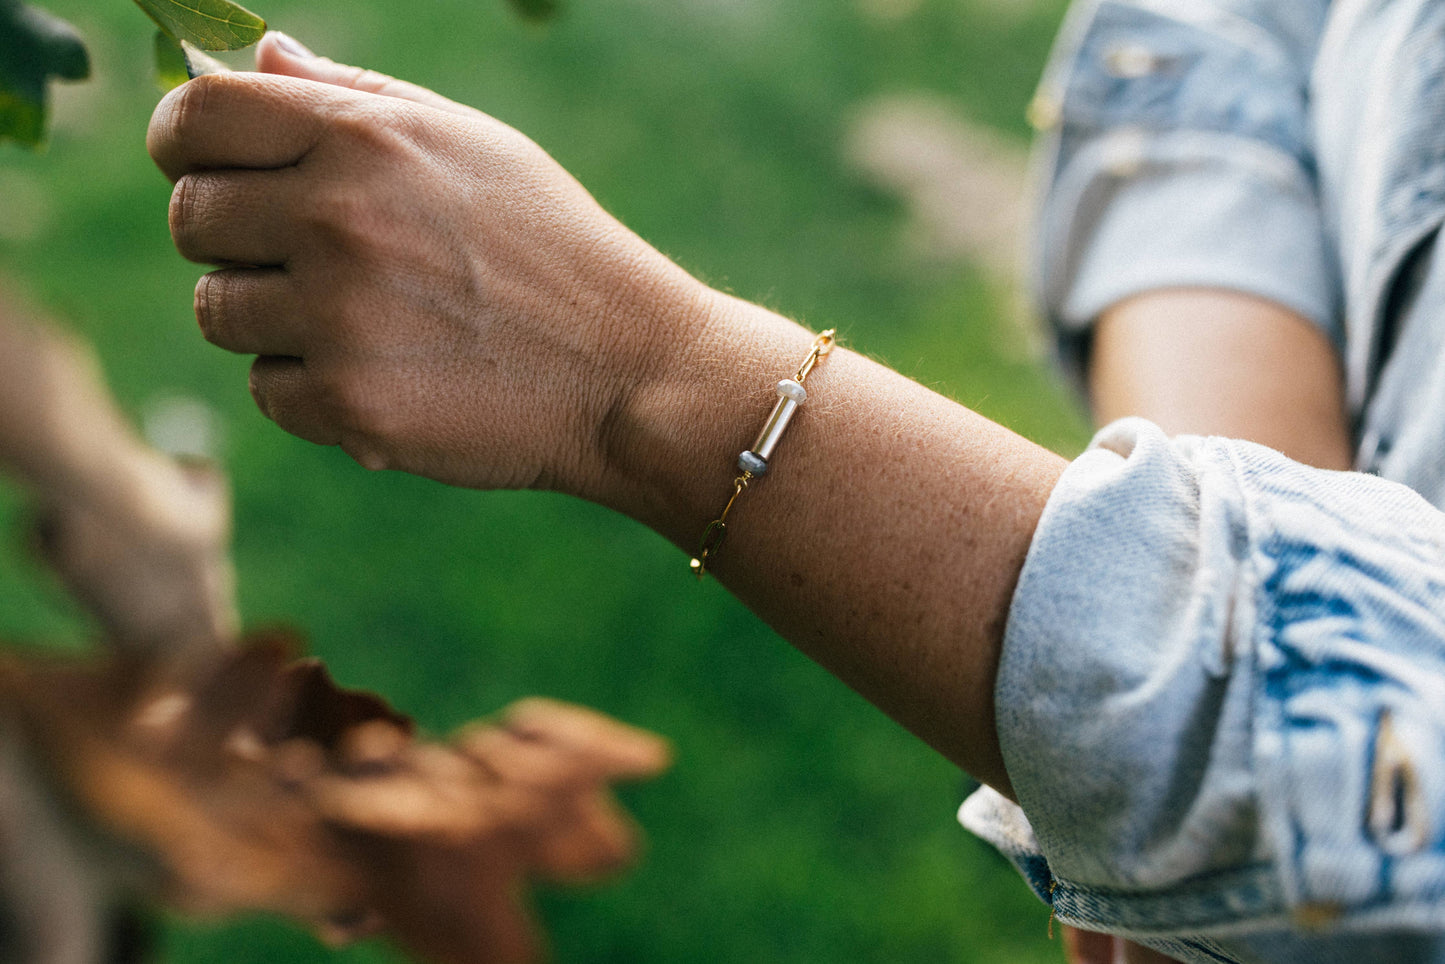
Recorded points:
(379,146)
(287,395)
(357,398)
(380,126)
(221,297)
(368,411)
(364,452)
(208,306)
(354,120)
(368,81)
(333,390)
(182,214)
(184,106)
(188,104)
(334,208)
(193,214)
(348,219)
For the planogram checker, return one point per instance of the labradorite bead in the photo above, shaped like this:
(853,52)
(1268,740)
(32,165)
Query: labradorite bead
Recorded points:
(753,463)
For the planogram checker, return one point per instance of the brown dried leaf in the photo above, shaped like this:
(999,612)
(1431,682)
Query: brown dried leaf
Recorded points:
(257,783)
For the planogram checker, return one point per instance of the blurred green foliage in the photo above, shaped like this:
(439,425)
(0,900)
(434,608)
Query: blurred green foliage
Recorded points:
(799,825)
(34,47)
(536,9)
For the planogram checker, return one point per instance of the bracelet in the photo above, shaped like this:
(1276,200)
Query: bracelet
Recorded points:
(754,462)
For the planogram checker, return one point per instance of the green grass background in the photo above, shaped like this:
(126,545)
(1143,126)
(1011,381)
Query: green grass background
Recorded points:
(799,824)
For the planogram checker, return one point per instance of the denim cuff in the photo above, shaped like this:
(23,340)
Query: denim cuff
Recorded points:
(1221,695)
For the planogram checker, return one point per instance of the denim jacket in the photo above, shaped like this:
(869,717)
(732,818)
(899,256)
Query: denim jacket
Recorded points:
(1221,696)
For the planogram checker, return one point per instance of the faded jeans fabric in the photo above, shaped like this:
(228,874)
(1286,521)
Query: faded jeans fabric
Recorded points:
(1249,740)
(1294,150)
(1220,696)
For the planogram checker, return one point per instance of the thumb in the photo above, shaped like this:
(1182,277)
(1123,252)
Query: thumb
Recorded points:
(280,53)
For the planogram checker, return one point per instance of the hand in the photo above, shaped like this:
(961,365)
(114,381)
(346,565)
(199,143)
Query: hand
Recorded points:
(424,286)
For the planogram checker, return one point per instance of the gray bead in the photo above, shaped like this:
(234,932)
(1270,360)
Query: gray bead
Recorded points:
(752,463)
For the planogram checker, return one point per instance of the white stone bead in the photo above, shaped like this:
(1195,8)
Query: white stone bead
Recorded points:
(787,388)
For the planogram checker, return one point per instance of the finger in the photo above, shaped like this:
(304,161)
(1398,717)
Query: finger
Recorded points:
(237,120)
(287,396)
(611,748)
(250,311)
(521,763)
(279,53)
(234,217)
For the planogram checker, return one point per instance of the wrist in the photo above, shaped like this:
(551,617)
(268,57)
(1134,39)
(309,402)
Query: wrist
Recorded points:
(672,444)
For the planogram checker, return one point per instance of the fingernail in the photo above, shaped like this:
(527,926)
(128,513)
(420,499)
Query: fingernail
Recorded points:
(291,45)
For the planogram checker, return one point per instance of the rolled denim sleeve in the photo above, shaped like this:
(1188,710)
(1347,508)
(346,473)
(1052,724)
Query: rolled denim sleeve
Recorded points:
(1221,696)
(1176,151)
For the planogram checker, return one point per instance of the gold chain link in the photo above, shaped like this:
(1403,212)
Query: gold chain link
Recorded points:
(716,532)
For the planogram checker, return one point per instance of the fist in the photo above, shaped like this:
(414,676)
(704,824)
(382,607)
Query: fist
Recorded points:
(423,286)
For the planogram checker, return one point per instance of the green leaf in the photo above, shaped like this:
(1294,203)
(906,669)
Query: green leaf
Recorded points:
(171,67)
(177,61)
(536,9)
(34,47)
(208,24)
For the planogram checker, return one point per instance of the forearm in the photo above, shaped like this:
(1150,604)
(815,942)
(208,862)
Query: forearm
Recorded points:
(554,349)
(1216,362)
(886,540)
